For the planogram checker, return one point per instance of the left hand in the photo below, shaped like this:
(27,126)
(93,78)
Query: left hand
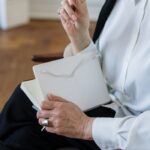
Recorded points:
(65,118)
(74,17)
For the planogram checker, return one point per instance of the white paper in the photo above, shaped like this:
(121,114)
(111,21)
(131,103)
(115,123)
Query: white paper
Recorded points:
(33,92)
(78,79)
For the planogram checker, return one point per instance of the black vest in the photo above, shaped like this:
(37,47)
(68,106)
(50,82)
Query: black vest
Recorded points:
(104,14)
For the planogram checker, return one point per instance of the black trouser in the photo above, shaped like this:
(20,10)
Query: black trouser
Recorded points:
(19,128)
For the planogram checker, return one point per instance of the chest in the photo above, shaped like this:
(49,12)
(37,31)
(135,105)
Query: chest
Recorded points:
(125,44)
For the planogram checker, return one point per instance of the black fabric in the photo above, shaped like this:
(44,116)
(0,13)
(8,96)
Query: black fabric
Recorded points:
(104,14)
(19,128)
(3,147)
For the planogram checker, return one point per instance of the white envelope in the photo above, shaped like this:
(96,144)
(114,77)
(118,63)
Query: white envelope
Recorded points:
(78,79)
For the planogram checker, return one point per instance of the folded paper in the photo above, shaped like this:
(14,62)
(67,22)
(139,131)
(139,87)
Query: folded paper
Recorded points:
(78,79)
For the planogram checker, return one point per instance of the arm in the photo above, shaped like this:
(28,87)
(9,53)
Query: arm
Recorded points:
(76,24)
(122,133)
(108,133)
(69,50)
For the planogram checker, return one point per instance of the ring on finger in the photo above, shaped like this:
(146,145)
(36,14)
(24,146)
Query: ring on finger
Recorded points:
(45,123)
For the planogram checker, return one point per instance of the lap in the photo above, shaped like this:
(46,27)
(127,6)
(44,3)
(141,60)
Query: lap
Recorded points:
(19,127)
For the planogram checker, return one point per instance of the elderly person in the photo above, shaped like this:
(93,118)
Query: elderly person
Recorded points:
(125,60)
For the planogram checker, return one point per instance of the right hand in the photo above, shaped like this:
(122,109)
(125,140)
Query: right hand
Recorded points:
(74,124)
(75,20)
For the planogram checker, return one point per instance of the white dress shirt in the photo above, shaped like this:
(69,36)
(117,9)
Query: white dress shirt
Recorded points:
(124,46)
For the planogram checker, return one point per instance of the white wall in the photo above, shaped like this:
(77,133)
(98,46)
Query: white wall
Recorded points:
(44,9)
(47,9)
(17,12)
(14,13)
(2,13)
(94,7)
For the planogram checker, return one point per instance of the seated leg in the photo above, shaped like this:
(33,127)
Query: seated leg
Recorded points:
(19,128)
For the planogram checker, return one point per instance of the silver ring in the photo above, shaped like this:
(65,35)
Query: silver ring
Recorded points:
(45,123)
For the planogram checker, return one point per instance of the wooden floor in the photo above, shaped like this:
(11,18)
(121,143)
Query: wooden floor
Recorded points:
(17,47)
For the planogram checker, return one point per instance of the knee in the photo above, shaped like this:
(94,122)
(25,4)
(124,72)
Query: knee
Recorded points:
(17,96)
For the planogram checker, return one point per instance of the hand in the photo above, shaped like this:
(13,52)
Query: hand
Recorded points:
(65,118)
(75,20)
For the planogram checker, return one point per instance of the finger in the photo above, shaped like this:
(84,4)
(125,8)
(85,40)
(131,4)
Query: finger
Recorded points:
(66,24)
(52,97)
(41,120)
(52,130)
(69,10)
(76,3)
(44,114)
(63,21)
(49,105)
(65,15)
(56,130)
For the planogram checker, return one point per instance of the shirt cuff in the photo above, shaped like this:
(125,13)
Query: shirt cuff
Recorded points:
(112,133)
(103,131)
(69,52)
(89,48)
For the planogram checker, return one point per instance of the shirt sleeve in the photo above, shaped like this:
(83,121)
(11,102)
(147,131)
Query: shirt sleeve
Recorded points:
(122,133)
(69,52)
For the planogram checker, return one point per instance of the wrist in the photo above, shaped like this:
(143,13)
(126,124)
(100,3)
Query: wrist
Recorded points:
(87,129)
(79,44)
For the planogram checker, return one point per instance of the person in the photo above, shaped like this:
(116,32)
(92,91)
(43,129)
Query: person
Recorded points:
(124,48)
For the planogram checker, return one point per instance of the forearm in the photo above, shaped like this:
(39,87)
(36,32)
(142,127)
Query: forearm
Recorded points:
(80,43)
(112,133)
(75,20)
